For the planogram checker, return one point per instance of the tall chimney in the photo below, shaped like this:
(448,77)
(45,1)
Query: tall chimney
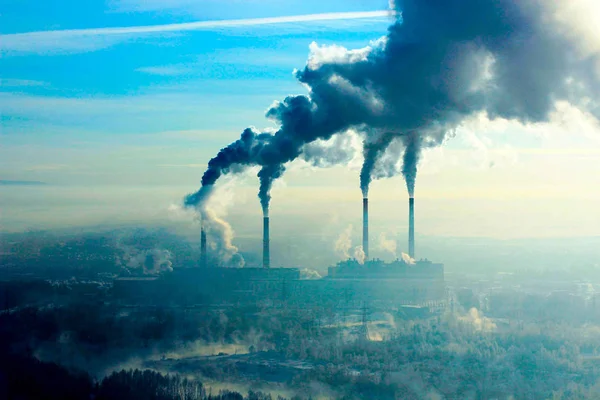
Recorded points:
(203,255)
(266,251)
(366,227)
(411,227)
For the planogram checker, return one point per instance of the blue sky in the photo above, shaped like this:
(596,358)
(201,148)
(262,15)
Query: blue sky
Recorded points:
(149,82)
(119,92)
(62,89)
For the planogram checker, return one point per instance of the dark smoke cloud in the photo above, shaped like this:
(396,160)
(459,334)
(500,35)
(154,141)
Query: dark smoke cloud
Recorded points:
(372,152)
(267,175)
(412,153)
(391,162)
(241,153)
(442,62)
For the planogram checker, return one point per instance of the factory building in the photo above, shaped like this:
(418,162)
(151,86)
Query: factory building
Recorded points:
(374,282)
(397,282)
(400,282)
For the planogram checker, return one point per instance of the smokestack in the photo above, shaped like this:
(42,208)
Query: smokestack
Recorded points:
(366,227)
(203,255)
(411,227)
(266,251)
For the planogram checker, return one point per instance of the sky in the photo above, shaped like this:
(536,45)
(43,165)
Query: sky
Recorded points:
(118,105)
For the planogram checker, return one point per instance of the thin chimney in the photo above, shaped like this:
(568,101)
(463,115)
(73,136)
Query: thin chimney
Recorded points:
(411,227)
(366,227)
(203,255)
(266,251)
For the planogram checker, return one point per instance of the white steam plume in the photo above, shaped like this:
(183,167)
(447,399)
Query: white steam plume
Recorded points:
(407,259)
(359,254)
(343,244)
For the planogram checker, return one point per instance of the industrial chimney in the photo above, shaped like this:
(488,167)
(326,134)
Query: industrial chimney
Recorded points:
(366,227)
(266,251)
(411,227)
(203,255)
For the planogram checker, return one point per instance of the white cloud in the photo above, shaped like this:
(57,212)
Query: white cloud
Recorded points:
(44,106)
(84,40)
(150,106)
(237,56)
(580,20)
(320,55)
(482,143)
(573,121)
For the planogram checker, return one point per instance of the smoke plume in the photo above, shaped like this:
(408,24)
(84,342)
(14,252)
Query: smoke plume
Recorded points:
(219,234)
(412,153)
(372,151)
(308,273)
(479,322)
(344,243)
(359,254)
(441,62)
(408,259)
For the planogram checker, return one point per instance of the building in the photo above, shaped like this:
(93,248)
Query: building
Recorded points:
(349,282)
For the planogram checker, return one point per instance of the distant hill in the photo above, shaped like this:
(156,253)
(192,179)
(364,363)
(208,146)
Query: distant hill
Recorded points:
(20,183)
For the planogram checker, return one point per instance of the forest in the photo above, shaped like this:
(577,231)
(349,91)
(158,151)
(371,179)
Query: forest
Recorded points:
(63,334)
(85,344)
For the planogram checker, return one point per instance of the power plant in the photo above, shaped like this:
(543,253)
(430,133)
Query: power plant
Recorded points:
(400,282)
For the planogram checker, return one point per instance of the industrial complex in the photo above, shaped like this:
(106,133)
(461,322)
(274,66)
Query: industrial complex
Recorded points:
(404,281)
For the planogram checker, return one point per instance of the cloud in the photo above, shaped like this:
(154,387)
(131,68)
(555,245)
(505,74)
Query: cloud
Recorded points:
(486,153)
(146,107)
(90,39)
(580,20)
(47,106)
(320,55)
(161,109)
(240,56)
